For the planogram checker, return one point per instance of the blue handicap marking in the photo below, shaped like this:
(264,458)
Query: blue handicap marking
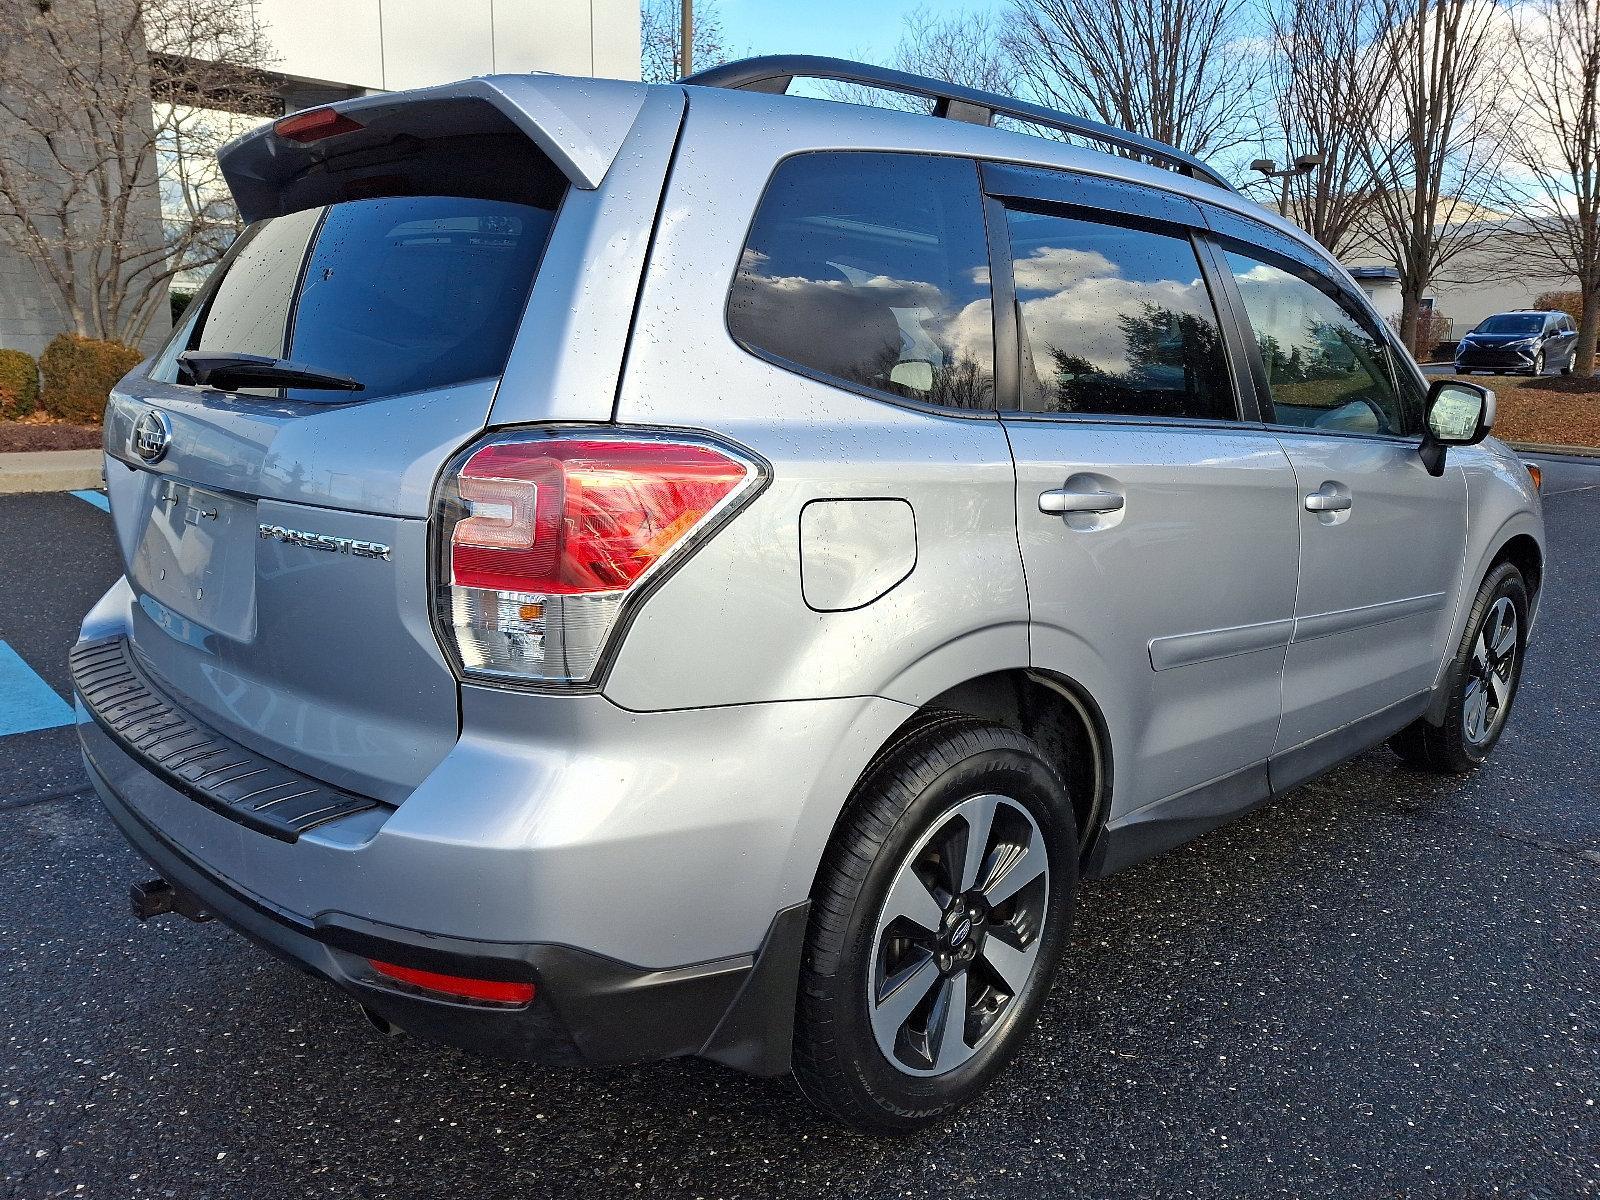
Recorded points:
(98,499)
(26,701)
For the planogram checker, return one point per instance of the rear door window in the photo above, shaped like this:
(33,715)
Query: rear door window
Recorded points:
(1115,321)
(872,269)
(401,293)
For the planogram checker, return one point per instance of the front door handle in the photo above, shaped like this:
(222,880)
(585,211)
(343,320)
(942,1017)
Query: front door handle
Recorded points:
(1064,500)
(1323,502)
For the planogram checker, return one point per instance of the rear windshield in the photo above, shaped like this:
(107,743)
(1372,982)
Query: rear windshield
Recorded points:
(1512,323)
(401,293)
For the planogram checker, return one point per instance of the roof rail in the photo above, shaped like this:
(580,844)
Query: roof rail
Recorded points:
(773,73)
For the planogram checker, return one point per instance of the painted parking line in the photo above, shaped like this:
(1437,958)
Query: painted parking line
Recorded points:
(98,499)
(26,701)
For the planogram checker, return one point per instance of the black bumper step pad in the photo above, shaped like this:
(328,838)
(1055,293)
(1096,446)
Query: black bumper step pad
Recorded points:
(205,766)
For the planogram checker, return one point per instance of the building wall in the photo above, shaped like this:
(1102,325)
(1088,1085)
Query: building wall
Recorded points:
(1475,284)
(387,45)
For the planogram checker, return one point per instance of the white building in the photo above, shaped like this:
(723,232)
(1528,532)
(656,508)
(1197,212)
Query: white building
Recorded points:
(1494,275)
(354,46)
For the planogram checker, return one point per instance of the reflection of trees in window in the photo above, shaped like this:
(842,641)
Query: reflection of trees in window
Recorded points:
(1174,369)
(1328,367)
(963,383)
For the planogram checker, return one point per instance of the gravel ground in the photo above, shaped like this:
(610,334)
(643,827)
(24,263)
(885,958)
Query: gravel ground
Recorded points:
(1382,985)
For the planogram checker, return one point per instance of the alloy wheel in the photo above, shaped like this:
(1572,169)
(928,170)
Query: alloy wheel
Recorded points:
(1490,673)
(958,935)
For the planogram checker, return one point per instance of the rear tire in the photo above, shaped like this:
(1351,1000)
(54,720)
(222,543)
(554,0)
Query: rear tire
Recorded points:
(908,924)
(1482,678)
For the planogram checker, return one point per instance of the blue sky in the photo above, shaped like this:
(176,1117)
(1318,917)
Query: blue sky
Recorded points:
(844,28)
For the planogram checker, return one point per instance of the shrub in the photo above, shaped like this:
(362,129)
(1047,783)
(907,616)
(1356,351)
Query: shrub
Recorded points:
(78,375)
(179,303)
(19,383)
(1570,303)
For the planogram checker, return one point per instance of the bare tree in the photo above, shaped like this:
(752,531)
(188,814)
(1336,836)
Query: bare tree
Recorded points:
(661,30)
(1326,81)
(1175,70)
(1554,153)
(103,109)
(1433,152)
(967,48)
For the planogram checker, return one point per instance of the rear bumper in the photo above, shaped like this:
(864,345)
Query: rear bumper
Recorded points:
(586,1009)
(649,872)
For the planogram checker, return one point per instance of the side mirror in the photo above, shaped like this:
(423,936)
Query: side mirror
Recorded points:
(1459,414)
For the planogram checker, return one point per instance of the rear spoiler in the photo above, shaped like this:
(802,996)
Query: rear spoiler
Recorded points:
(578,124)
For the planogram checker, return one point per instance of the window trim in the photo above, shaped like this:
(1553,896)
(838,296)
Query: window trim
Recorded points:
(1329,286)
(1003,279)
(786,364)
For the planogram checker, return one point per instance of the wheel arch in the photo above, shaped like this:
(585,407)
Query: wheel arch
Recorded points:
(1522,551)
(1052,710)
(1518,542)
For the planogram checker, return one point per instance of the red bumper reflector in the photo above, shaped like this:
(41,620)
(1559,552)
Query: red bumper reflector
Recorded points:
(314,124)
(502,991)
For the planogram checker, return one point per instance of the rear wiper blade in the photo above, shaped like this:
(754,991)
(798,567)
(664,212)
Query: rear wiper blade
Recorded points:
(229,371)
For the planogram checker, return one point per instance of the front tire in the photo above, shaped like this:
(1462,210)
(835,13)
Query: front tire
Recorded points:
(1538,365)
(1482,678)
(940,912)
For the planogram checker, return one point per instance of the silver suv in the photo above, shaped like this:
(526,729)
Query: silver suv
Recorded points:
(616,572)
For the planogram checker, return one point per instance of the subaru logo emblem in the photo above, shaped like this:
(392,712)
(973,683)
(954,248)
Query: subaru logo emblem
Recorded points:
(151,436)
(960,933)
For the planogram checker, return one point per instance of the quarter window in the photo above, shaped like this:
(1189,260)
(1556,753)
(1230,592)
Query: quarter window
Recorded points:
(1115,321)
(872,269)
(1325,368)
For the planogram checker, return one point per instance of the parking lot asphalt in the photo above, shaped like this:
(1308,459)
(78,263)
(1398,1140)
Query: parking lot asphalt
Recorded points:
(1381,985)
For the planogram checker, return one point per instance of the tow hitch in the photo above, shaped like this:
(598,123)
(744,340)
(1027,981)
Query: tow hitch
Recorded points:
(154,897)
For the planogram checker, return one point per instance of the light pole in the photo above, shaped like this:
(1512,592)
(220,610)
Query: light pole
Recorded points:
(686,40)
(1303,165)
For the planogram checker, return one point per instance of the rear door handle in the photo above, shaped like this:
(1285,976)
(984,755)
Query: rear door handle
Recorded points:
(1324,502)
(1063,500)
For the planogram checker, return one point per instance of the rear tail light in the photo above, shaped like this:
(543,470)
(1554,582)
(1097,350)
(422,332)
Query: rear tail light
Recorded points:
(545,537)
(497,990)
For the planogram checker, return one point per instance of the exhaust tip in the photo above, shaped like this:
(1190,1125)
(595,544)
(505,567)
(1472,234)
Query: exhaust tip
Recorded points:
(380,1022)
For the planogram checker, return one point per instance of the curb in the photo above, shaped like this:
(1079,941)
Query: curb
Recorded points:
(50,471)
(1546,448)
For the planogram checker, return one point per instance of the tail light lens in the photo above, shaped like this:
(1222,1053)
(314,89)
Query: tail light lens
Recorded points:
(498,991)
(544,537)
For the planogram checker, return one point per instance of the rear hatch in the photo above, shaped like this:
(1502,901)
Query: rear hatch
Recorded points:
(276,538)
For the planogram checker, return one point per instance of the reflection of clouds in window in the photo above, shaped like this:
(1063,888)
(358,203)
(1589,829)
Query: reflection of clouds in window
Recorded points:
(871,268)
(1324,369)
(1115,321)
(1052,268)
(1285,309)
(1080,316)
(858,329)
